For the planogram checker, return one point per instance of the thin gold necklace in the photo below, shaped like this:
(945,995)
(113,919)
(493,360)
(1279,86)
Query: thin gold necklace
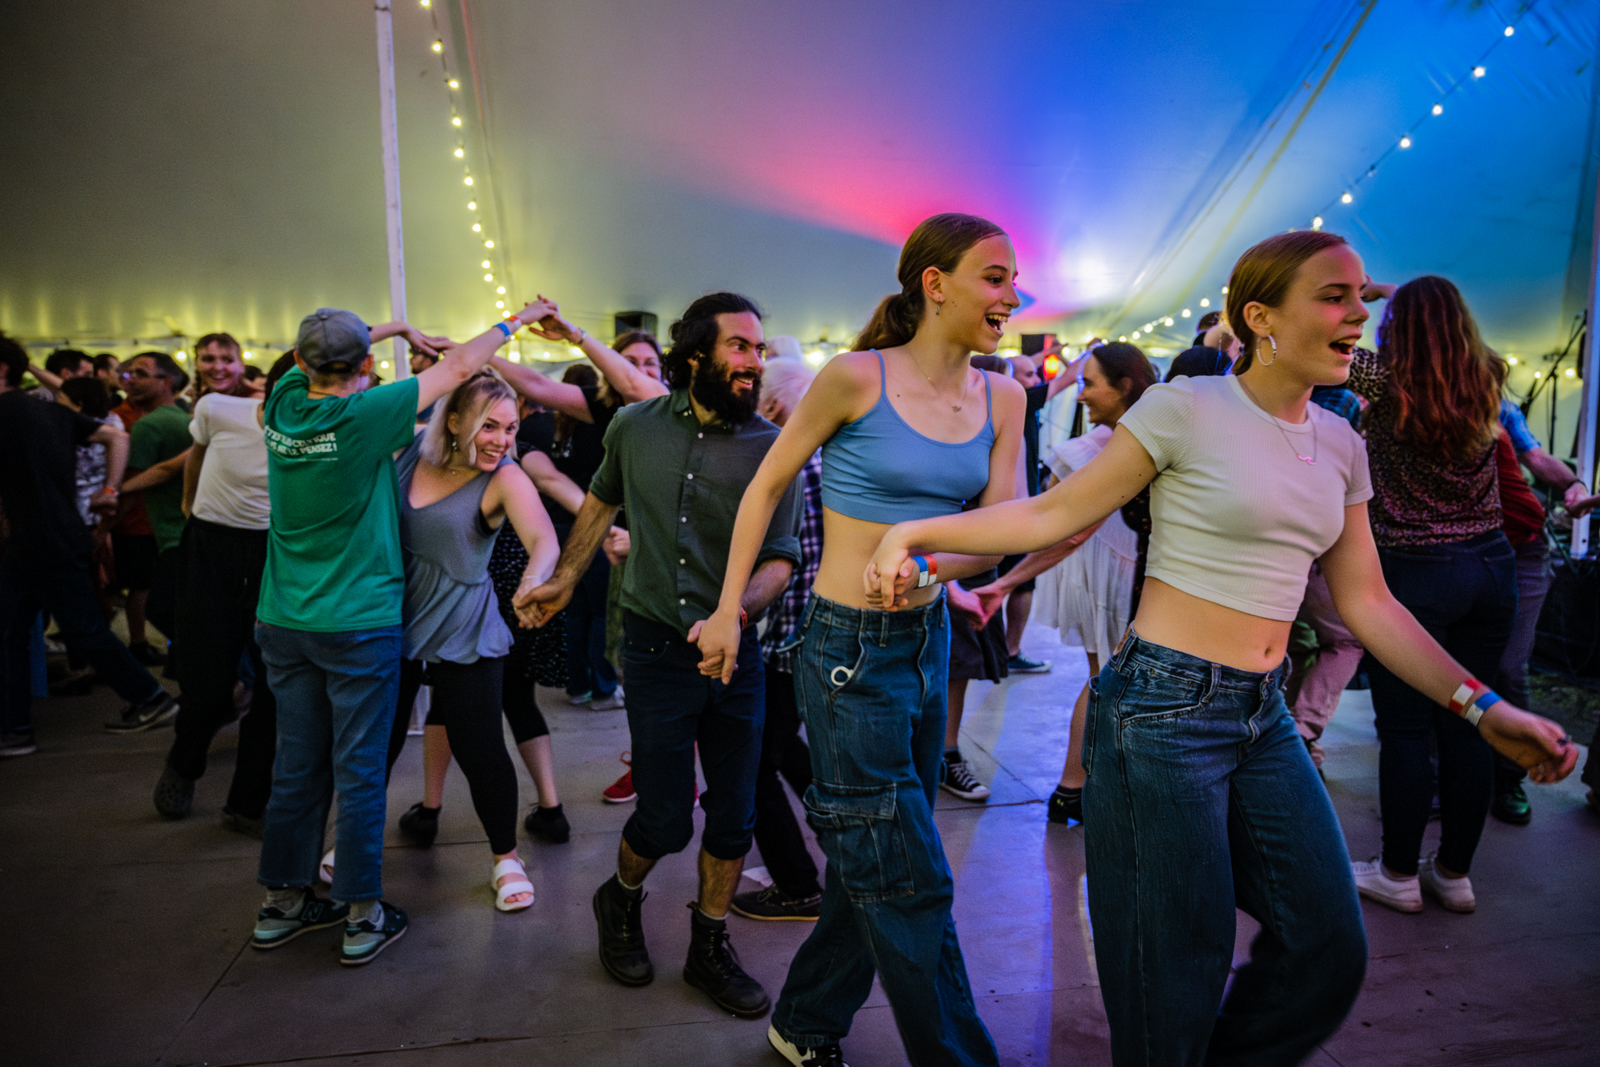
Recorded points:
(966,384)
(1311,460)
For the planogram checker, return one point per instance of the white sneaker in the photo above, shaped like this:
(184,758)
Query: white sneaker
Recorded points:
(1453,894)
(1375,883)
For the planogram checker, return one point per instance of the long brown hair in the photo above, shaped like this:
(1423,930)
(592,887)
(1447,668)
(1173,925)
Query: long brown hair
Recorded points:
(940,242)
(583,376)
(1127,368)
(609,396)
(1444,381)
(1263,275)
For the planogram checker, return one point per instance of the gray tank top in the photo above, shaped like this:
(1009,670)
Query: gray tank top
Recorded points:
(451,613)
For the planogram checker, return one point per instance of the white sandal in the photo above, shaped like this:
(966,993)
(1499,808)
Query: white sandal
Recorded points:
(325,868)
(511,888)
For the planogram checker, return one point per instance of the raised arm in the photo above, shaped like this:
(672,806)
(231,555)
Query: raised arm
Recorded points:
(1100,487)
(464,360)
(544,390)
(1390,632)
(551,482)
(631,383)
(50,381)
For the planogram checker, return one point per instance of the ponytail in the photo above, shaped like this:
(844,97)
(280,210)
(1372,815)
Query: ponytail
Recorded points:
(939,241)
(893,324)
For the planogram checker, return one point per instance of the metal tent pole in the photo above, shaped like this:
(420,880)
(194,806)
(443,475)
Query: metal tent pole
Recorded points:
(1590,409)
(391,180)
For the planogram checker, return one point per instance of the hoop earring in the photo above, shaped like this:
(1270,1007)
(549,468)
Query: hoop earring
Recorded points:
(1267,362)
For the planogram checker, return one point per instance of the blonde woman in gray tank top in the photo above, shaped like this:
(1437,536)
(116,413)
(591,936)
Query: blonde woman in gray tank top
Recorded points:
(1200,794)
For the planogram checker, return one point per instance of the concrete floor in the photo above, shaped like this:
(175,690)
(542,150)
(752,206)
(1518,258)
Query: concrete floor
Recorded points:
(125,938)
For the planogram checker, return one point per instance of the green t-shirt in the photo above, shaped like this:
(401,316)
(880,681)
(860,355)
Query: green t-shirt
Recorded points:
(161,435)
(333,551)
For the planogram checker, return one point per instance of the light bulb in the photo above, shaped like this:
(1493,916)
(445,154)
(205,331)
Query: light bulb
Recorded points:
(181,356)
(486,264)
(488,277)
(1438,109)
(1167,321)
(1185,312)
(488,244)
(455,120)
(1135,335)
(460,152)
(248,355)
(1224,290)
(1405,142)
(384,364)
(1205,301)
(1571,373)
(438,46)
(1478,72)
(472,205)
(501,290)
(500,303)
(1512,361)
(467,180)
(1538,374)
(1123,338)
(1346,198)
(1511,31)
(454,84)
(425,3)
(477,227)
(1316,223)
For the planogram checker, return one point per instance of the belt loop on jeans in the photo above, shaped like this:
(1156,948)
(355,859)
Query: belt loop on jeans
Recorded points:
(1124,648)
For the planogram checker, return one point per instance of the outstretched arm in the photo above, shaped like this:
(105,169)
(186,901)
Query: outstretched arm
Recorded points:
(1392,634)
(631,383)
(551,482)
(463,361)
(158,474)
(515,495)
(544,390)
(537,606)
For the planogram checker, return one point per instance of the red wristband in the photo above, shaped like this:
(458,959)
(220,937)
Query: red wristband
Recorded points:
(1464,694)
(744,619)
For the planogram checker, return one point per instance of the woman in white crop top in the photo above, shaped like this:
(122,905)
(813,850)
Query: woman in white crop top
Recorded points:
(871,686)
(1201,795)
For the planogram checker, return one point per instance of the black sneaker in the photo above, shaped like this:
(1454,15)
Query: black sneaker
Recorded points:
(623,954)
(1066,806)
(1510,805)
(774,905)
(275,927)
(17,743)
(138,717)
(548,824)
(174,794)
(957,779)
(816,1056)
(420,825)
(365,939)
(146,654)
(713,967)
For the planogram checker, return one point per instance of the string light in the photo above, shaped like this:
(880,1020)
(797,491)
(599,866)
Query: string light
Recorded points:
(1316,223)
(488,244)
(455,120)
(1205,301)
(427,3)
(1479,71)
(1135,335)
(1438,109)
(1346,198)
(438,47)
(500,289)
(477,228)
(472,205)
(1513,361)
(460,152)
(467,180)
(1511,31)
(1405,142)
(1185,312)
(453,84)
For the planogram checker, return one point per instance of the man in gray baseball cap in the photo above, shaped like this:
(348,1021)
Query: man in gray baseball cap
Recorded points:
(328,621)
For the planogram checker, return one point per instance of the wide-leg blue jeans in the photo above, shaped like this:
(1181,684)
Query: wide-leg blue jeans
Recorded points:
(336,701)
(1201,798)
(871,687)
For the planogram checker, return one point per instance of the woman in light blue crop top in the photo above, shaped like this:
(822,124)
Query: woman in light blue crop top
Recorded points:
(1201,796)
(908,429)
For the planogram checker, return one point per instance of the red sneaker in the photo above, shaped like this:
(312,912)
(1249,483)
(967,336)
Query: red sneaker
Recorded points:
(621,790)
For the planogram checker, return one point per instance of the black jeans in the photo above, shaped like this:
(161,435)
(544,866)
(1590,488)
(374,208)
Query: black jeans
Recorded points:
(672,707)
(1465,595)
(783,755)
(166,592)
(466,702)
(216,625)
(588,670)
(66,591)
(1533,585)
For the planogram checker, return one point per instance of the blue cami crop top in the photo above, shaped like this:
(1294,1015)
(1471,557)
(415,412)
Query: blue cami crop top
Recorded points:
(879,469)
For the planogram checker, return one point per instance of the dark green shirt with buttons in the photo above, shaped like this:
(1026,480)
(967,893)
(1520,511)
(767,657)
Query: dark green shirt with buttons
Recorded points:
(681,483)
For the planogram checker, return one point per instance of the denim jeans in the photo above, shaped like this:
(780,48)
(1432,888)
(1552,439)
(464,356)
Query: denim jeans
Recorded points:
(67,592)
(336,699)
(1465,595)
(872,692)
(588,670)
(1511,681)
(783,756)
(672,709)
(1201,798)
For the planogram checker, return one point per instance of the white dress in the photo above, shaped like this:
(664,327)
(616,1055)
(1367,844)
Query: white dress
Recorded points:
(1088,595)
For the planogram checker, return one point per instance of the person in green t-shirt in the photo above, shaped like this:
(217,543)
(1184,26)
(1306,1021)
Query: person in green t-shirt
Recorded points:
(328,621)
(157,446)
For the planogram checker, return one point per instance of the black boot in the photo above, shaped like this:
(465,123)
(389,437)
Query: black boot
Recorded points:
(714,967)
(420,825)
(617,911)
(548,823)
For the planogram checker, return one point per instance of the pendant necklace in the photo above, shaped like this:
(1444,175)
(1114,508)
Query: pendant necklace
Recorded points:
(966,383)
(1311,460)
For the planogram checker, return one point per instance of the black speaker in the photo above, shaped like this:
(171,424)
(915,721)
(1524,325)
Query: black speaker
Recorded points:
(636,320)
(1568,632)
(1034,343)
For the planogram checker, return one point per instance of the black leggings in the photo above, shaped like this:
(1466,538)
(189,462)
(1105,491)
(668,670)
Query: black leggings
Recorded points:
(516,694)
(466,702)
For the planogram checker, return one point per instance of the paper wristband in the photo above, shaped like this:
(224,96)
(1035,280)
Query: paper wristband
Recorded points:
(1463,696)
(1486,700)
(927,570)
(503,328)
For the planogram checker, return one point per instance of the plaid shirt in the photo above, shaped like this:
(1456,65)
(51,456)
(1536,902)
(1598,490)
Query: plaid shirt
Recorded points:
(783,618)
(1339,400)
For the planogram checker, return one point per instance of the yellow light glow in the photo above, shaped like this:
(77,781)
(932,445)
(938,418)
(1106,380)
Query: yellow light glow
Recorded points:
(181,356)
(1571,373)
(1316,223)
(1405,142)
(460,152)
(1205,301)
(1185,312)
(488,244)
(1511,31)
(1123,338)
(454,84)
(1512,361)
(488,277)
(384,364)
(1438,109)
(477,227)
(472,205)
(467,180)
(427,3)
(248,355)
(486,264)
(438,46)
(1346,198)
(500,304)
(1135,335)
(500,289)
(1224,290)
(1478,72)
(455,120)
(1538,374)
(1167,321)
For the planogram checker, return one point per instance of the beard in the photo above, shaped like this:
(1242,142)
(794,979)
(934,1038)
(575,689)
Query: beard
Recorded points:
(712,386)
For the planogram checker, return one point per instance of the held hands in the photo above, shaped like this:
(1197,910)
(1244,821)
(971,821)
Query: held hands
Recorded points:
(890,574)
(551,326)
(538,311)
(1538,745)
(1578,502)
(419,341)
(538,605)
(718,638)
(966,605)
(991,598)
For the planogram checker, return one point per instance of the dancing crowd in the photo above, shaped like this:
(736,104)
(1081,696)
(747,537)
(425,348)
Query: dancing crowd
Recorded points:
(794,575)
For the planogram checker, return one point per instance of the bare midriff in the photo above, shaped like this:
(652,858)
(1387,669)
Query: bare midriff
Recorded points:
(847,547)
(1177,620)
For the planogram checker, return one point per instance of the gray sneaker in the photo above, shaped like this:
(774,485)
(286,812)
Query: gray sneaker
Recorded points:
(275,927)
(139,717)
(365,939)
